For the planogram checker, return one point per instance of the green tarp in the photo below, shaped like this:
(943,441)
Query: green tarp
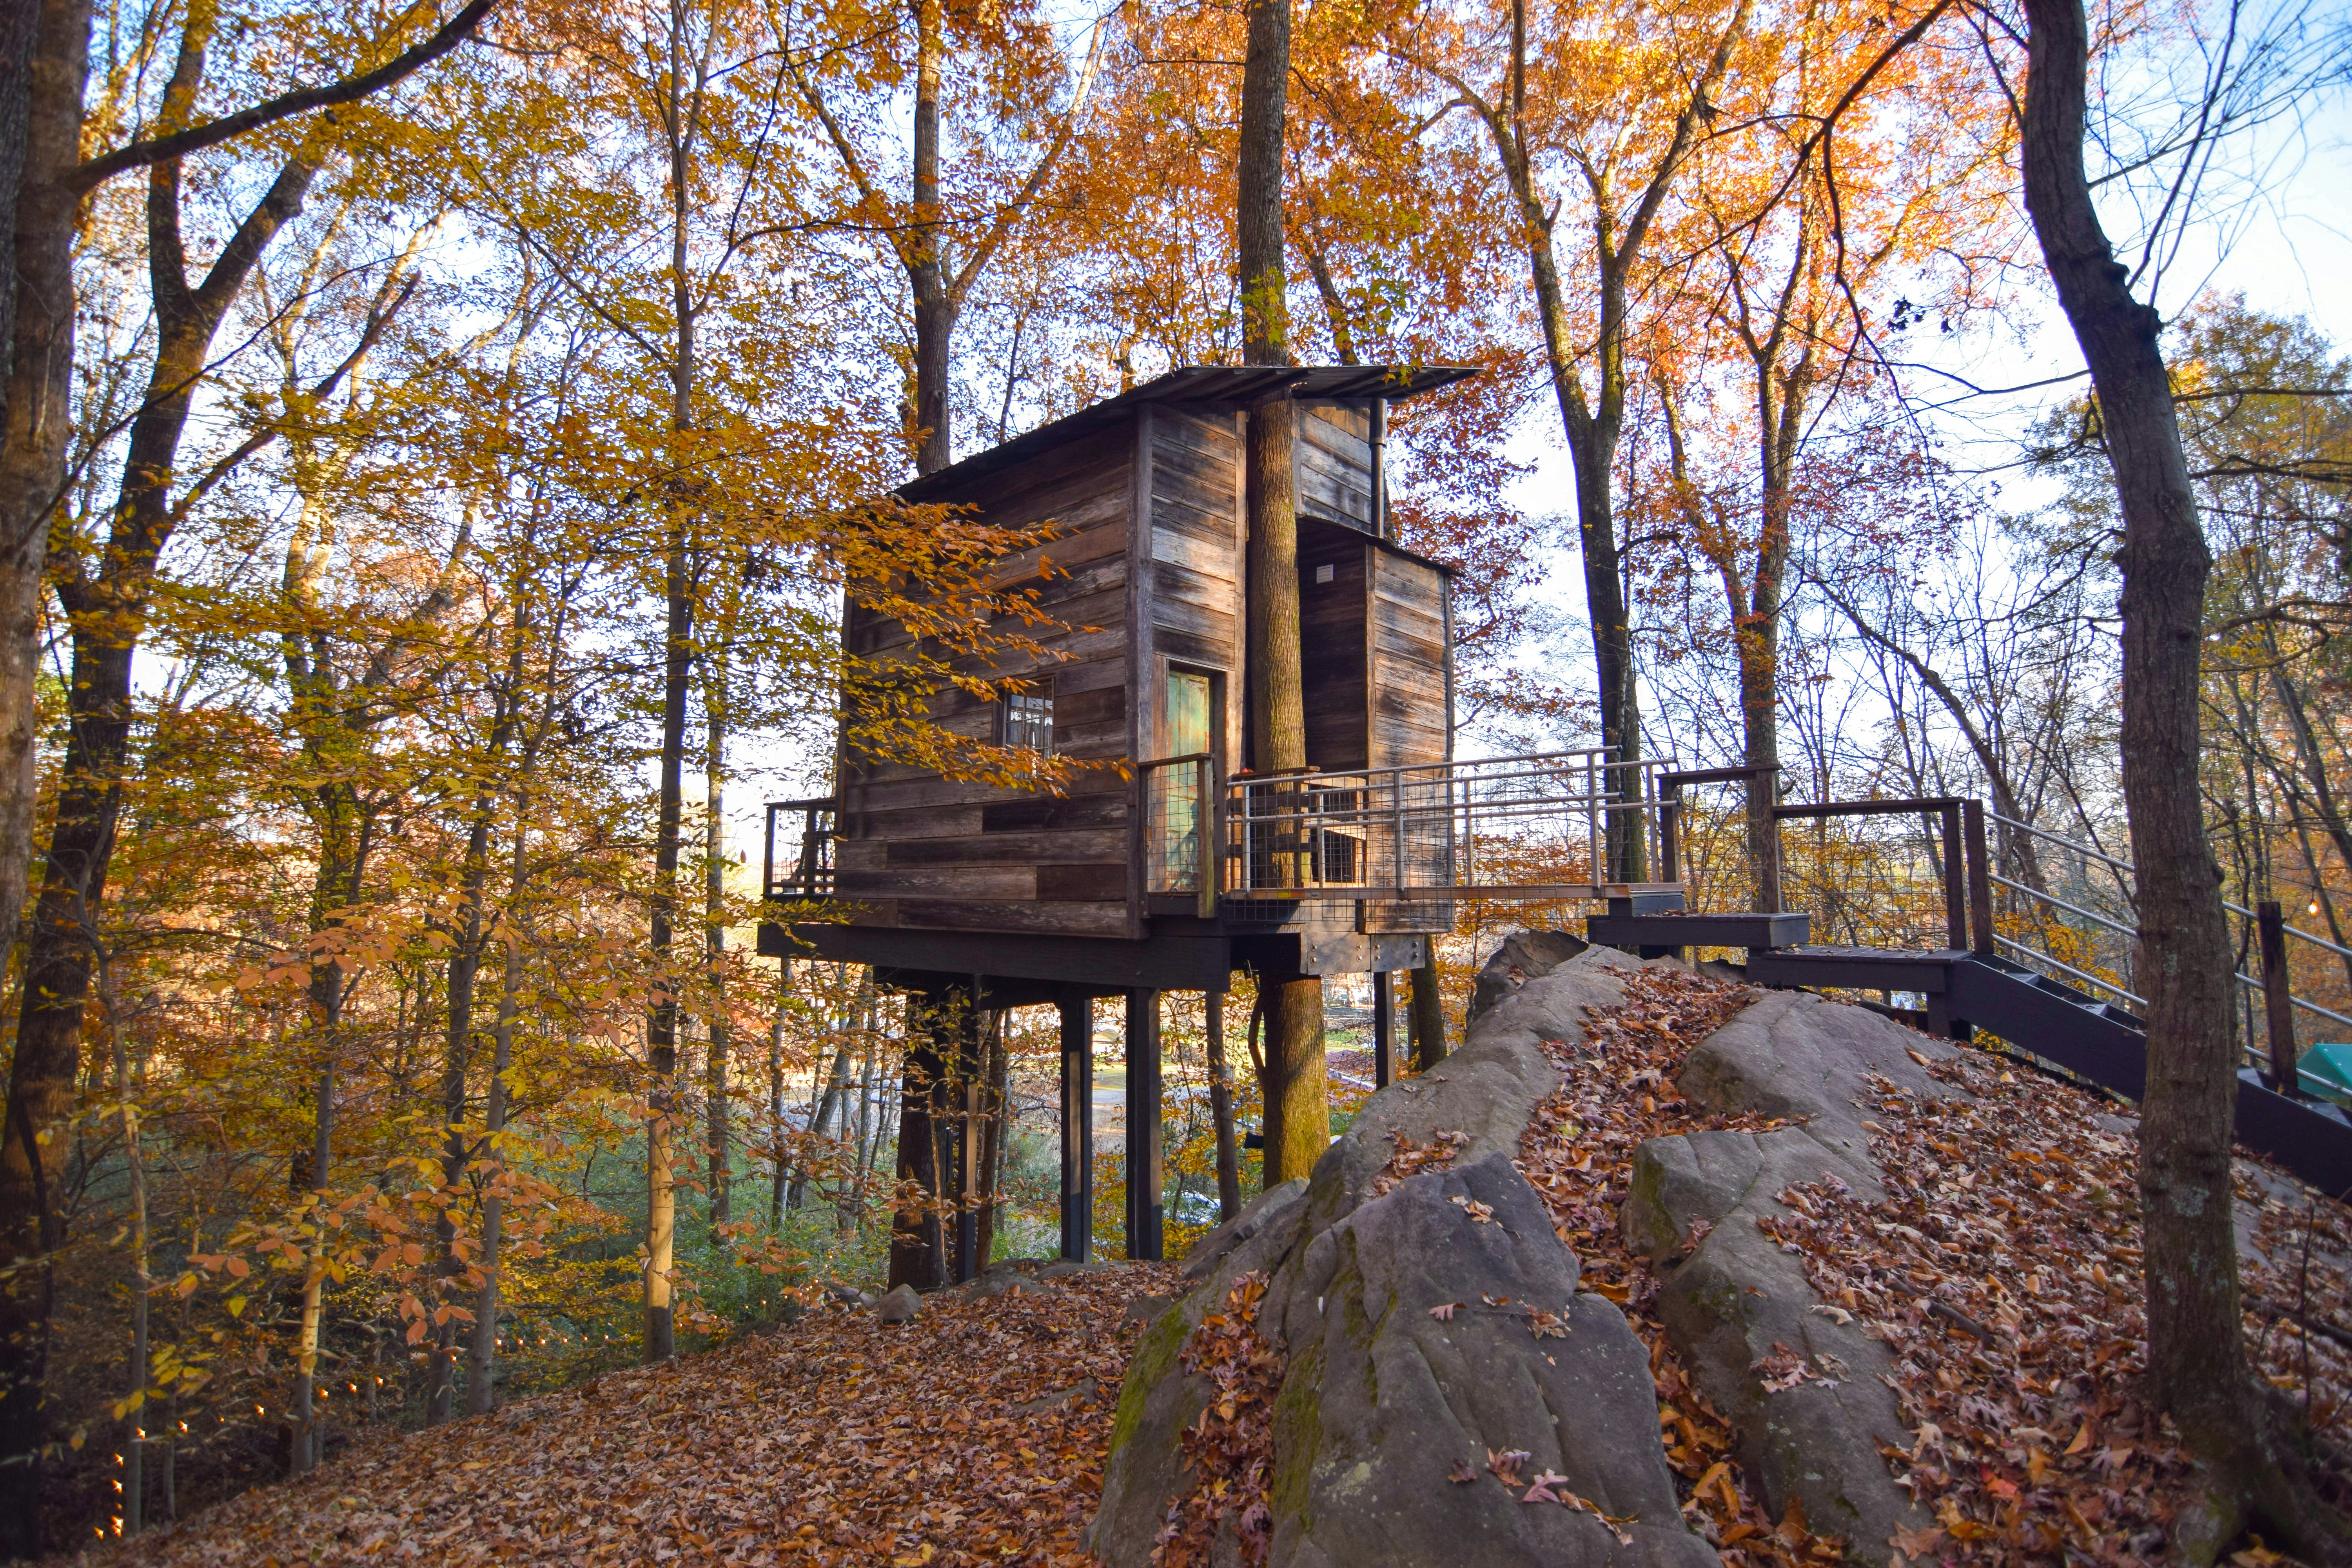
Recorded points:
(2326,1069)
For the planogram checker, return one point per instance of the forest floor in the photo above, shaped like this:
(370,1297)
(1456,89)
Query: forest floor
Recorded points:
(974,1435)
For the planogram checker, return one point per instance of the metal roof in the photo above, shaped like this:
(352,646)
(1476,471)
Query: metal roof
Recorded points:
(1200,383)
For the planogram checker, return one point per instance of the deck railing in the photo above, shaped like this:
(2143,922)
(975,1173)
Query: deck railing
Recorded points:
(1405,833)
(806,870)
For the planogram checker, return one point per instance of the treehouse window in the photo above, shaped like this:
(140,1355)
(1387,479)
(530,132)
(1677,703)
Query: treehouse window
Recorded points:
(1029,722)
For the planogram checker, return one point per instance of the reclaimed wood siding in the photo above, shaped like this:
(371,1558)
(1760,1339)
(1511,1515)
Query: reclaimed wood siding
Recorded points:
(924,851)
(1407,659)
(1335,463)
(1194,591)
(1409,719)
(1333,667)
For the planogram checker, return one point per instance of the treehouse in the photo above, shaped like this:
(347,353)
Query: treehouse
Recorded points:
(1178,857)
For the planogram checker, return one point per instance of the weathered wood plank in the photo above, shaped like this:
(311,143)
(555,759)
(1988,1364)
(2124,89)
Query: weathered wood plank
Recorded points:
(954,881)
(1056,814)
(1086,844)
(1078,884)
(864,829)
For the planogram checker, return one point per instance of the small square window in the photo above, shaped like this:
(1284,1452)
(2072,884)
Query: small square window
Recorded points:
(1029,722)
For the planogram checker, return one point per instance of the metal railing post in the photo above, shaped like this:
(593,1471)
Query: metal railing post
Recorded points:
(1972,815)
(1956,887)
(2278,999)
(1210,839)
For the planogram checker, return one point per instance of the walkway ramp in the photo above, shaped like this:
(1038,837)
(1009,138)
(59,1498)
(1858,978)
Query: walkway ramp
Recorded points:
(2080,1023)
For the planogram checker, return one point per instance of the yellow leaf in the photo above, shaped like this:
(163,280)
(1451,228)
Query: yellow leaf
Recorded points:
(236,1306)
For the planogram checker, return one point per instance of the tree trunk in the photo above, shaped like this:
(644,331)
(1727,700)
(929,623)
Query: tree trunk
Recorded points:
(1221,1111)
(481,1362)
(917,1253)
(110,613)
(457,1070)
(715,1065)
(1428,1018)
(2197,1367)
(678,667)
(776,1095)
(995,1101)
(1297,1110)
(927,265)
(850,1212)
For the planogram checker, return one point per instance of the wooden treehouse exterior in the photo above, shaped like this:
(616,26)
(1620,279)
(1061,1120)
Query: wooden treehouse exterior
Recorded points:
(1147,679)
(1173,860)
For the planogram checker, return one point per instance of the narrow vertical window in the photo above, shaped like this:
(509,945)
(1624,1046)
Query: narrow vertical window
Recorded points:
(1029,722)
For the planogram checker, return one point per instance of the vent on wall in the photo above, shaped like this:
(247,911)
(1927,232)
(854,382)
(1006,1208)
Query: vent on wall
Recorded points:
(1323,572)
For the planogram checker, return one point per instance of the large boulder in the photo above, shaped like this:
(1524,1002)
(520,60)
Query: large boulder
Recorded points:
(1804,1388)
(1385,1406)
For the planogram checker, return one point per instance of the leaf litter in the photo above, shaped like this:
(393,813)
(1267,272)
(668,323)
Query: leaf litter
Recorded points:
(2003,1271)
(975,1434)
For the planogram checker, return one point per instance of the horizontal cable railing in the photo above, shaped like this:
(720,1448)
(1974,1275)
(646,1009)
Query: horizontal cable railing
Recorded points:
(2124,872)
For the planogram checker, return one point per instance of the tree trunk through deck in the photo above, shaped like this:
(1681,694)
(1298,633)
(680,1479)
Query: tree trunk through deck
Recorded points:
(2197,1360)
(1428,1016)
(1292,1083)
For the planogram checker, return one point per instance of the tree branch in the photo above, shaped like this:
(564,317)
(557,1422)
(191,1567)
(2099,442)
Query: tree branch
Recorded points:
(88,176)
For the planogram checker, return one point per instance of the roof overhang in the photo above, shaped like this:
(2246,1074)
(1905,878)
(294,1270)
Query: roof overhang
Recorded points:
(1241,383)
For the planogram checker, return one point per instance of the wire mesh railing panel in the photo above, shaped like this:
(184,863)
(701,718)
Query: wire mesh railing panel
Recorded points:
(1420,829)
(1876,881)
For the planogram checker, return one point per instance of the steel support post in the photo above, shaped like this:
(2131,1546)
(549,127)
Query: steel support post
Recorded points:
(1143,1195)
(1077,1127)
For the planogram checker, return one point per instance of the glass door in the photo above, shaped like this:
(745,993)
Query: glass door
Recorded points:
(1177,828)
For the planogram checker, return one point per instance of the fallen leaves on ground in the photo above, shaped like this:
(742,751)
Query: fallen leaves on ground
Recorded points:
(975,1434)
(1228,1452)
(2003,1270)
(1617,1089)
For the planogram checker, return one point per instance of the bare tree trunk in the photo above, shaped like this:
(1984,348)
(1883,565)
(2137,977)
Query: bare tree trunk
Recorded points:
(776,1096)
(850,1211)
(918,1251)
(714,860)
(926,268)
(481,1362)
(2197,1367)
(1221,1111)
(457,1070)
(996,1104)
(677,666)
(1428,1016)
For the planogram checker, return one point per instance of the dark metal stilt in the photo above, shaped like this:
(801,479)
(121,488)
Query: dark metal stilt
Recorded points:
(1077,1127)
(1383,1030)
(1143,1195)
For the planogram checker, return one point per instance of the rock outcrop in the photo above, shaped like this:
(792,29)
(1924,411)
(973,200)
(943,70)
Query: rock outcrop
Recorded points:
(1386,1407)
(1804,1390)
